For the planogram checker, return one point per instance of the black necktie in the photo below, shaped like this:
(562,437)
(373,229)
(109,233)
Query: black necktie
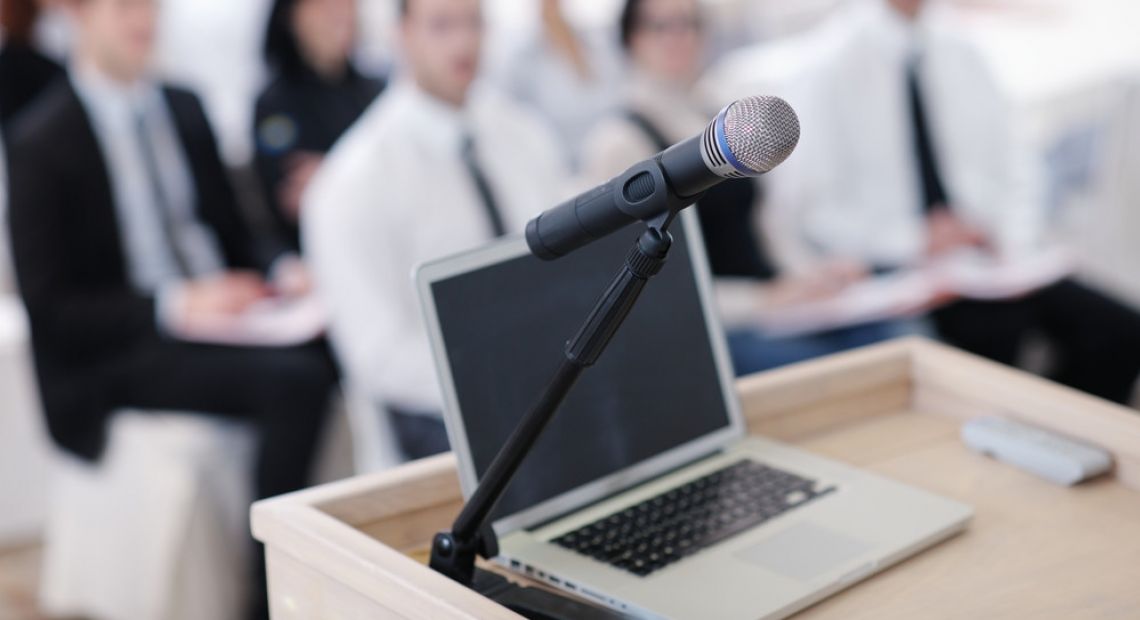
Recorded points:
(486,196)
(933,191)
(161,204)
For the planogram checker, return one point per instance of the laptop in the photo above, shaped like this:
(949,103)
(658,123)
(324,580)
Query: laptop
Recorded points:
(646,494)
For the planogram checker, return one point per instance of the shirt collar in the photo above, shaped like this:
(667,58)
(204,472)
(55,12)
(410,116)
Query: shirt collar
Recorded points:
(897,34)
(111,99)
(307,74)
(441,124)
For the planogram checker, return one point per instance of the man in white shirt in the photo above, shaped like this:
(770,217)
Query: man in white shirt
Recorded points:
(864,196)
(436,166)
(911,154)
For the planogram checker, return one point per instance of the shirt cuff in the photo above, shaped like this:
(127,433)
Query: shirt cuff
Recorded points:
(289,277)
(282,265)
(168,304)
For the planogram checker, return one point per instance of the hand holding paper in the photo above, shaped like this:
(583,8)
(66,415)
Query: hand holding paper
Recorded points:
(241,309)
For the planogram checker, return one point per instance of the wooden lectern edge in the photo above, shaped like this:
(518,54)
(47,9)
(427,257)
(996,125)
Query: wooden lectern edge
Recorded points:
(440,468)
(911,374)
(354,559)
(908,373)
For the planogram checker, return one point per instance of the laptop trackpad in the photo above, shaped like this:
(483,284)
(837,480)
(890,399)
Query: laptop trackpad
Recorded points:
(803,551)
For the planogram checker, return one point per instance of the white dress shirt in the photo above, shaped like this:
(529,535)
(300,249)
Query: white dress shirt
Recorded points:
(861,188)
(116,110)
(394,193)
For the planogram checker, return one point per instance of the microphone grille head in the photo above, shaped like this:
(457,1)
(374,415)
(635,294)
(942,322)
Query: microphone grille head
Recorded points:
(760,132)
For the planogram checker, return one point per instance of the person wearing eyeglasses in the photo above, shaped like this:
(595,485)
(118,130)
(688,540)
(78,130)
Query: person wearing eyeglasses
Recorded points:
(665,42)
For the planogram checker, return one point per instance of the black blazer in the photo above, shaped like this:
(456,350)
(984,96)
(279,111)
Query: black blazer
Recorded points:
(70,261)
(300,111)
(24,74)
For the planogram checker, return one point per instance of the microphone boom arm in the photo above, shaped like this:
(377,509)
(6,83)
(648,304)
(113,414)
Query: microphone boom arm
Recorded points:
(453,552)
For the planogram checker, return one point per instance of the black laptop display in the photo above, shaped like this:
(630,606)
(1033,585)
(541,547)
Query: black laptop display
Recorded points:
(657,386)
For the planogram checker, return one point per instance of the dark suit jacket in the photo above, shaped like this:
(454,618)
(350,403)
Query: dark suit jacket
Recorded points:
(71,264)
(300,111)
(24,74)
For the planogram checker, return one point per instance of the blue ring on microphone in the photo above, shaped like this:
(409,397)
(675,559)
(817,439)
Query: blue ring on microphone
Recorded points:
(722,142)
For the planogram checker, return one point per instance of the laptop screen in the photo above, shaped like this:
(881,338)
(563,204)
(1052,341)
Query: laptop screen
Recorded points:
(656,387)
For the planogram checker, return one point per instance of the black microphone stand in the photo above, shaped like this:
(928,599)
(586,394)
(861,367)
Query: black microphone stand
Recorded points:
(453,552)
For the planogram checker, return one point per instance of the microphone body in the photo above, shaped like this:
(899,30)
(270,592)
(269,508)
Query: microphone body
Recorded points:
(747,138)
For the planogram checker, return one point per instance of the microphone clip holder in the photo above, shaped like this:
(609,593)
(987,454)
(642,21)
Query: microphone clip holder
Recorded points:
(454,552)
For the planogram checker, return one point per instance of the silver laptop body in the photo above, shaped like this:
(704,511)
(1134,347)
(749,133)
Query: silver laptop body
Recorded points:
(850,525)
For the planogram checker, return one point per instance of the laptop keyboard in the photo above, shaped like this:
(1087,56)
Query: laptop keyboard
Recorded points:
(651,535)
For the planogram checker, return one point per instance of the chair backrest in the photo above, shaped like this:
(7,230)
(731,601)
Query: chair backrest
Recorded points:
(374,444)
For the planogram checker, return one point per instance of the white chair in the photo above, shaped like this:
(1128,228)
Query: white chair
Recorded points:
(159,529)
(374,444)
(24,448)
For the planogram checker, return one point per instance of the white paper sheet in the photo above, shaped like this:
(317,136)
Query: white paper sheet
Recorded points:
(967,274)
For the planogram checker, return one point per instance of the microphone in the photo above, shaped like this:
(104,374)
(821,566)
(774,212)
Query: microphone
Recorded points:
(747,139)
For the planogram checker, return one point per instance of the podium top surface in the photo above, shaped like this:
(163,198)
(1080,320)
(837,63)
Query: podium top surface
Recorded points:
(1033,549)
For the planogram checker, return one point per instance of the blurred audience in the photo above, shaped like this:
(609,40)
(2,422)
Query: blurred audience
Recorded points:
(315,95)
(665,42)
(439,165)
(569,77)
(24,70)
(917,158)
(126,235)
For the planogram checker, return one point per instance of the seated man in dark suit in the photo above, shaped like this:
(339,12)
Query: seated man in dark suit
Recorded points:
(125,234)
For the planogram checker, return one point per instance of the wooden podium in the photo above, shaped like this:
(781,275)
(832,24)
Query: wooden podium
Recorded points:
(357,548)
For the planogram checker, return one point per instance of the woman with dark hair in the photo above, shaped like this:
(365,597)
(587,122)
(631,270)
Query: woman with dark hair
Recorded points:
(664,41)
(24,71)
(314,96)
